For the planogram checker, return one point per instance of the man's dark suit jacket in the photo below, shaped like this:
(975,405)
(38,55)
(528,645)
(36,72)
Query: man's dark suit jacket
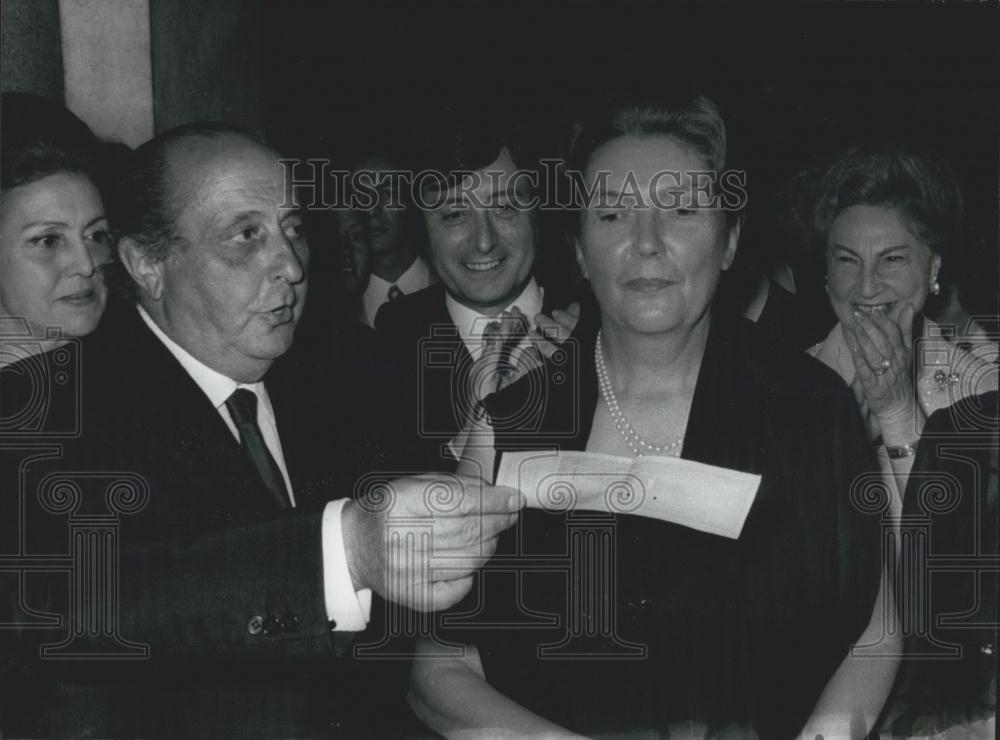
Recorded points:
(224,587)
(424,347)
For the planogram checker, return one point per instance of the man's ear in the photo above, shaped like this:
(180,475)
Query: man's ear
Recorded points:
(145,271)
(732,239)
(579,258)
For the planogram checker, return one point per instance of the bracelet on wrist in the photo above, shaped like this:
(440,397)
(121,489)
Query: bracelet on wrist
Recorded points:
(895,452)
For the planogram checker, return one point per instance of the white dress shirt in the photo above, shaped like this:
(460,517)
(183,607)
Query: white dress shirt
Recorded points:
(347,608)
(472,324)
(417,277)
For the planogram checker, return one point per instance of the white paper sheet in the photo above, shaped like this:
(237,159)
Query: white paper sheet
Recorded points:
(703,497)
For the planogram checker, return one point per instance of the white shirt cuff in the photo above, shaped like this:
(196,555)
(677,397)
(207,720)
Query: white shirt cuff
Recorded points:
(349,610)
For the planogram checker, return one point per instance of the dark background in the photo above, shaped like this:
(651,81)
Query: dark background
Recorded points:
(795,82)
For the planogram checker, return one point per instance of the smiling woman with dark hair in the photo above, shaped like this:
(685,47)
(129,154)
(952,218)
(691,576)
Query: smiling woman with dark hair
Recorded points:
(887,218)
(54,237)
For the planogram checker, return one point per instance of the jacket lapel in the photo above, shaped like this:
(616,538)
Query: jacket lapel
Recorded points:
(190,431)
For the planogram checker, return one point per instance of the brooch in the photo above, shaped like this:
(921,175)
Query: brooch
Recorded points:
(945,378)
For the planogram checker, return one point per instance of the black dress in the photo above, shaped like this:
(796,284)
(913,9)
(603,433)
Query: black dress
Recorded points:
(665,624)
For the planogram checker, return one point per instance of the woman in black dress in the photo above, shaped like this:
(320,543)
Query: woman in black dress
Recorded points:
(692,632)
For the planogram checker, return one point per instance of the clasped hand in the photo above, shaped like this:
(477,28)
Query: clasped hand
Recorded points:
(882,350)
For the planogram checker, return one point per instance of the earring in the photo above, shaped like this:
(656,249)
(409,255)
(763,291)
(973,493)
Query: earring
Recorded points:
(935,287)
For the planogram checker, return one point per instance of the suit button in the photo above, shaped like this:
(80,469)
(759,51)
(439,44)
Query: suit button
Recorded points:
(272,626)
(986,648)
(333,625)
(255,626)
(289,621)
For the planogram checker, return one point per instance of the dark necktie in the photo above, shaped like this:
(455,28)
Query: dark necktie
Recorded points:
(242,407)
(394,292)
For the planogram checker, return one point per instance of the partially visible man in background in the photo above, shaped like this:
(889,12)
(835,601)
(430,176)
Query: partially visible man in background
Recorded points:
(394,263)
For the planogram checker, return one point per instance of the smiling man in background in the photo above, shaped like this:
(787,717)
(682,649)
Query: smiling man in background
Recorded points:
(482,231)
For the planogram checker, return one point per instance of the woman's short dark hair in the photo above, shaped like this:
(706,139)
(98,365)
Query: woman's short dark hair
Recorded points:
(920,185)
(39,138)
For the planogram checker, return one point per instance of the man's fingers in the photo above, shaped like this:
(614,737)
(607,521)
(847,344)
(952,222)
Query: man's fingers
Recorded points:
(494,524)
(458,561)
(558,327)
(499,500)
(550,330)
(445,594)
(546,347)
(468,535)
(476,497)
(567,319)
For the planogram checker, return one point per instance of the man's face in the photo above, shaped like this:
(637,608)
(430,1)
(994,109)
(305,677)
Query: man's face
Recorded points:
(483,246)
(234,290)
(386,228)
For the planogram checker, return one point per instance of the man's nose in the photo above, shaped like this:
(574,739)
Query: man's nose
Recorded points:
(290,265)
(485,234)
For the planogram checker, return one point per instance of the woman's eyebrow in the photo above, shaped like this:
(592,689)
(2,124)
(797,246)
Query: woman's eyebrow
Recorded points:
(879,253)
(33,224)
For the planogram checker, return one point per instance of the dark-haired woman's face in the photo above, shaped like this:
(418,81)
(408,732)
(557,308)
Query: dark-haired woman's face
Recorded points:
(53,241)
(875,264)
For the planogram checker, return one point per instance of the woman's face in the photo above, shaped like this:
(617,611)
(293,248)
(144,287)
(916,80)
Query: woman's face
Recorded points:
(53,239)
(875,264)
(652,255)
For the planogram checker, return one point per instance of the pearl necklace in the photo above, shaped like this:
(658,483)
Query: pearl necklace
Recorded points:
(633,439)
